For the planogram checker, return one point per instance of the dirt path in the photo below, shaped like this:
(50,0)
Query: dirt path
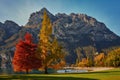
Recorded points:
(96,68)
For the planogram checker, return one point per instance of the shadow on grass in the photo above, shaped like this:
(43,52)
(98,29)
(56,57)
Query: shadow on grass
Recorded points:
(17,77)
(113,71)
(96,72)
(83,73)
(99,72)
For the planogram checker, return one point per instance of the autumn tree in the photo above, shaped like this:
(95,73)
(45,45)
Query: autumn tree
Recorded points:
(57,55)
(49,49)
(89,51)
(24,58)
(99,60)
(113,58)
(79,55)
(84,63)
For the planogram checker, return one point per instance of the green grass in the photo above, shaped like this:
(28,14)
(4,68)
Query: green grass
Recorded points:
(101,75)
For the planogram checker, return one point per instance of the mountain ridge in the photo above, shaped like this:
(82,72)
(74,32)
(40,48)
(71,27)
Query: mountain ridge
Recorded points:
(72,31)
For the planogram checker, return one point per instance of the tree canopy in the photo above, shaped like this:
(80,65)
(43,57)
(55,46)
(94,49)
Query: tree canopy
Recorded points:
(24,58)
(49,50)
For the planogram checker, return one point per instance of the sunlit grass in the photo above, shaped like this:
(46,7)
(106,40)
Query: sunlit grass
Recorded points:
(101,75)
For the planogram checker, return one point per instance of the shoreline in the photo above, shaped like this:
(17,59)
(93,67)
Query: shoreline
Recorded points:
(90,69)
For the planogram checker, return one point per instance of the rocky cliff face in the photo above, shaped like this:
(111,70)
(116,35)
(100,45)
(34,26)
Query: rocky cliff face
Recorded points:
(8,30)
(82,29)
(36,18)
(77,30)
(73,24)
(73,31)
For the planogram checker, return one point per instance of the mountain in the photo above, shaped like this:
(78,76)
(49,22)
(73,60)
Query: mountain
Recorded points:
(36,18)
(77,30)
(72,31)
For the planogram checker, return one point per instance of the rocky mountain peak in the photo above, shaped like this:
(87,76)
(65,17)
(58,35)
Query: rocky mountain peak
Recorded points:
(73,24)
(7,29)
(61,15)
(36,18)
(10,23)
(44,9)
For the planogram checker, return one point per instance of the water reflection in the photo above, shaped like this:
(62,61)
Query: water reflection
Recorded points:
(71,71)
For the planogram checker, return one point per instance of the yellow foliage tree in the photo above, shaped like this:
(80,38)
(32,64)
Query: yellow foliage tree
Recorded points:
(113,58)
(49,49)
(99,59)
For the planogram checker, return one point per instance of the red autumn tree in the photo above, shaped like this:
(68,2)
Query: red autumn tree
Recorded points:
(24,58)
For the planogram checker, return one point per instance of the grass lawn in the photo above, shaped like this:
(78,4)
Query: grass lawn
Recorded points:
(101,75)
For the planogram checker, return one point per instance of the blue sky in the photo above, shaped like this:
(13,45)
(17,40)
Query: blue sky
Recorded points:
(107,11)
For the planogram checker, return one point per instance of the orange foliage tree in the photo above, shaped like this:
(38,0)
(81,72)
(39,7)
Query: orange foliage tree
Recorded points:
(84,63)
(24,58)
(99,59)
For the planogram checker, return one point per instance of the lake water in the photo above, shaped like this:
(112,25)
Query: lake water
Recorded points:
(71,71)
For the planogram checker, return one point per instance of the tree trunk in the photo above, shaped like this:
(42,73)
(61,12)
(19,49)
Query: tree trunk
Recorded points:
(27,71)
(46,72)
